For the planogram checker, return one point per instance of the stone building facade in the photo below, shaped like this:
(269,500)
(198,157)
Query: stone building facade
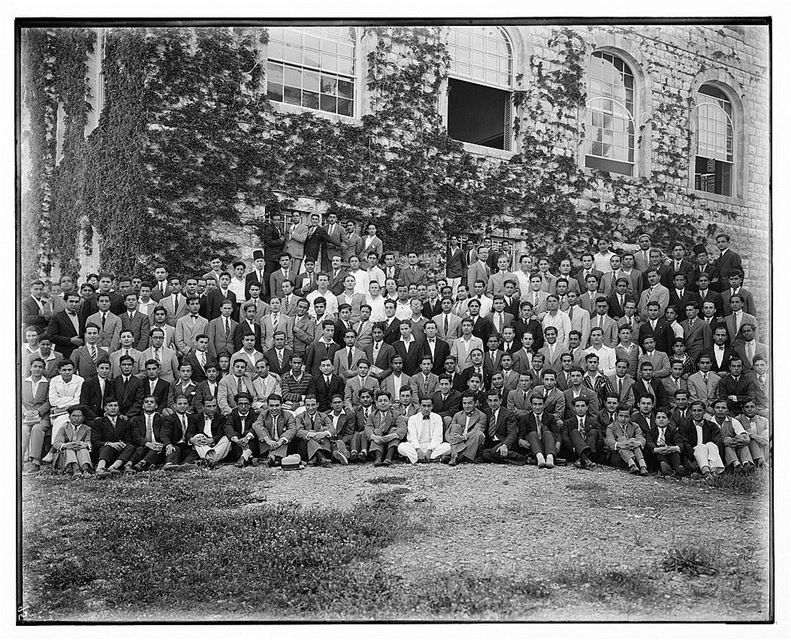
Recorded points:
(665,121)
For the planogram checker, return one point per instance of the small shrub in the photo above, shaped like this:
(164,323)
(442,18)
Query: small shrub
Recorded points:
(691,560)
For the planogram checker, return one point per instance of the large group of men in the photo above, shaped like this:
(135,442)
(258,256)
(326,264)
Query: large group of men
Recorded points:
(330,349)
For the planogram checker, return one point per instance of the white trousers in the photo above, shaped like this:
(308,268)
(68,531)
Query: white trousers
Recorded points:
(58,424)
(708,455)
(454,282)
(408,451)
(220,449)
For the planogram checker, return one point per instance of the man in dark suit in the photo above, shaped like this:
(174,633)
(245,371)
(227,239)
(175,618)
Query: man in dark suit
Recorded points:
(96,391)
(680,293)
(581,435)
(447,401)
(702,266)
(705,293)
(481,327)
(326,385)
(239,430)
(207,436)
(657,328)
(432,346)
(324,347)
(408,348)
(392,324)
(662,447)
(539,433)
(279,365)
(525,323)
(34,307)
(128,389)
(337,275)
(155,386)
(336,237)
(66,327)
(174,431)
(720,352)
(317,238)
(736,387)
(617,301)
(501,433)
(216,296)
(586,270)
(455,264)
(247,326)
(678,264)
(433,304)
(274,241)
(257,275)
(146,433)
(307,282)
(727,261)
(647,385)
(111,441)
(379,354)
(700,441)
(136,322)
(412,273)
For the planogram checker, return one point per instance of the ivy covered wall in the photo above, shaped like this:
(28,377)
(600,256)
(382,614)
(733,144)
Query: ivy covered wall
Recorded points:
(189,147)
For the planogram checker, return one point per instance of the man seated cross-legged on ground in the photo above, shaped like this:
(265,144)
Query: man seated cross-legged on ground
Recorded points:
(276,430)
(385,430)
(73,444)
(318,439)
(424,435)
(207,434)
(626,441)
(239,430)
(146,434)
(501,433)
(111,439)
(539,433)
(467,431)
(661,446)
(581,435)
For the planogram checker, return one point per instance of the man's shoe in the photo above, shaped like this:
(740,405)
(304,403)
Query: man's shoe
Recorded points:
(30,468)
(47,459)
(171,466)
(748,466)
(445,459)
(128,468)
(387,462)
(634,470)
(211,459)
(115,472)
(239,463)
(339,457)
(378,462)
(681,471)
(542,463)
(254,462)
(353,457)
(643,471)
(270,462)
(102,473)
(550,461)
(665,468)
(454,460)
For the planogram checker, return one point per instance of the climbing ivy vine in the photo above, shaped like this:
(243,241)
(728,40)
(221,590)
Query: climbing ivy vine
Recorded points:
(187,138)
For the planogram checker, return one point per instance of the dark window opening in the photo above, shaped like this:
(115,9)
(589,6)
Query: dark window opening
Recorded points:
(607,164)
(713,176)
(479,114)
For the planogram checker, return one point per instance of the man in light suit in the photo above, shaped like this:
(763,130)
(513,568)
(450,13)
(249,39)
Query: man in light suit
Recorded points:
(467,431)
(346,359)
(221,331)
(602,320)
(622,384)
(231,385)
(35,415)
(496,283)
(351,395)
(353,245)
(336,239)
(278,276)
(163,354)
(478,270)
(370,242)
(189,327)
(587,270)
(125,349)
(276,321)
(737,317)
(109,324)
(551,350)
(579,318)
(175,303)
(655,292)
(396,379)
(276,430)
(609,279)
(455,264)
(464,345)
(448,323)
(702,385)
(86,357)
(138,323)
(658,359)
(295,243)
(590,293)
(697,334)
(379,354)
(746,347)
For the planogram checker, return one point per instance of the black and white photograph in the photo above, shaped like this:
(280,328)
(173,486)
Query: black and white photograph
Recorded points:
(407,320)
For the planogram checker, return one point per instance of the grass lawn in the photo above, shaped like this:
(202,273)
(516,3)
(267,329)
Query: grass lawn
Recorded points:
(480,542)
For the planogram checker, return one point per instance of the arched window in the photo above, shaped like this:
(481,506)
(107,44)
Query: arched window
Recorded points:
(714,159)
(610,124)
(479,86)
(312,67)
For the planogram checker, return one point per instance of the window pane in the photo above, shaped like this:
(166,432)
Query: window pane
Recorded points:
(345,89)
(274,72)
(311,58)
(346,66)
(329,84)
(274,91)
(310,80)
(329,62)
(292,53)
(345,107)
(293,77)
(482,54)
(329,103)
(292,95)
(310,99)
(610,100)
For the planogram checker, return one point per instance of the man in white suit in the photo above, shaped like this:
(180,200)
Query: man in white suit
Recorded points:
(109,324)
(424,436)
(295,243)
(163,354)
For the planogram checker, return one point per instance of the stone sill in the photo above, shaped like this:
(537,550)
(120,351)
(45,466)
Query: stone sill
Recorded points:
(282,107)
(480,150)
(590,173)
(715,197)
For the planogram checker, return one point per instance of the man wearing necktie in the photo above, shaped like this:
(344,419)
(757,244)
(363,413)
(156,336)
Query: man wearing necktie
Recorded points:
(581,436)
(660,443)
(207,434)
(467,431)
(276,430)
(146,430)
(501,433)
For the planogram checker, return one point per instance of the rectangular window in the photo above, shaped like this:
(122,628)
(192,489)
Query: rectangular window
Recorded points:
(480,115)
(713,176)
